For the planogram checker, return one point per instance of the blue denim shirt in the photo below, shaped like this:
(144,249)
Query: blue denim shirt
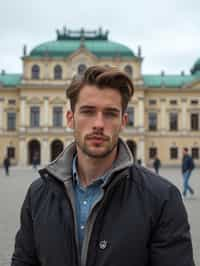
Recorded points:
(85,198)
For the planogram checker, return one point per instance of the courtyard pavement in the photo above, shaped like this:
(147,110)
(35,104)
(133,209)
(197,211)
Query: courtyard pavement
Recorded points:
(14,187)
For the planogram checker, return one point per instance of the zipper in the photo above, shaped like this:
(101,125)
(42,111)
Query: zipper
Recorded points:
(92,218)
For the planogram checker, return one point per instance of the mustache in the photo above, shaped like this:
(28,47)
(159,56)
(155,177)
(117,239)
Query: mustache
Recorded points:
(97,135)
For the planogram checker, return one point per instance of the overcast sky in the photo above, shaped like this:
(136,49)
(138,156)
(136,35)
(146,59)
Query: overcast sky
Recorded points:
(168,31)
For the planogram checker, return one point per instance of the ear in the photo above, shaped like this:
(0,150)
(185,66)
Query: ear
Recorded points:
(70,119)
(124,120)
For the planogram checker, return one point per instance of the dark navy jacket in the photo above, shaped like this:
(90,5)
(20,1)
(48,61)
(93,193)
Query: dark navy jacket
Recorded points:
(140,221)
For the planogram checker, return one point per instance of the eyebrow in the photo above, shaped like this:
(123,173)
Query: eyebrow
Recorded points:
(111,109)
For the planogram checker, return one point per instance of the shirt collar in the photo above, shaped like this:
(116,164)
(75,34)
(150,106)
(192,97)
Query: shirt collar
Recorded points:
(101,179)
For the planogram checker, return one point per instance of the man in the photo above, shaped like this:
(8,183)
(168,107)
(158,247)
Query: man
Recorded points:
(156,164)
(187,167)
(6,164)
(92,206)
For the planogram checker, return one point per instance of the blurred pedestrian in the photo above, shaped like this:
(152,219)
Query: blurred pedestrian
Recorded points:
(35,161)
(139,161)
(156,164)
(6,164)
(187,168)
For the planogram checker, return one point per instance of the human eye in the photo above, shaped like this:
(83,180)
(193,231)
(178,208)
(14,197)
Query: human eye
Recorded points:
(110,114)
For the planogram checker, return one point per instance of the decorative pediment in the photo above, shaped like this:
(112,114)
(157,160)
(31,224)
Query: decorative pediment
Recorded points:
(34,100)
(82,55)
(57,100)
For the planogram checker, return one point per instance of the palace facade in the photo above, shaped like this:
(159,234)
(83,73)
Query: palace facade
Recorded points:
(164,113)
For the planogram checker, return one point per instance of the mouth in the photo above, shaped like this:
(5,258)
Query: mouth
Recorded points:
(97,139)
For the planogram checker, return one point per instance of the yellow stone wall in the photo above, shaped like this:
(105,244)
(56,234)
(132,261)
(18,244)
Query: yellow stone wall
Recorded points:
(47,93)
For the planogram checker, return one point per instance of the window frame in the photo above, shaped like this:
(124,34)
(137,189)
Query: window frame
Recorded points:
(55,113)
(13,117)
(173,153)
(35,72)
(58,72)
(152,127)
(34,116)
(129,122)
(173,127)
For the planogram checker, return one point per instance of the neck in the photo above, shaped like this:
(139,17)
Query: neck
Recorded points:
(89,169)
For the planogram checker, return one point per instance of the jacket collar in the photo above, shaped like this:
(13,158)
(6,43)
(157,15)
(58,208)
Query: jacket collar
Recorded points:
(61,167)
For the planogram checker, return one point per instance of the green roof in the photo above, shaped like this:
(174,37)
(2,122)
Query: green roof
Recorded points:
(10,80)
(100,48)
(171,81)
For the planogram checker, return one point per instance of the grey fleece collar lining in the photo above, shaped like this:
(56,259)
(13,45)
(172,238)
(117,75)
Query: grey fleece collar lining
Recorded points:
(61,167)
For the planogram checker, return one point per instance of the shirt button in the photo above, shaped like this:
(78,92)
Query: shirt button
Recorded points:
(85,202)
(82,227)
(103,244)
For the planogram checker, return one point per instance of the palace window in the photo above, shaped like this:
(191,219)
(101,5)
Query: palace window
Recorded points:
(57,72)
(195,153)
(152,152)
(152,102)
(35,116)
(173,121)
(130,111)
(11,121)
(194,102)
(81,69)
(57,116)
(128,70)
(35,72)
(12,102)
(152,121)
(173,153)
(11,152)
(173,102)
(194,121)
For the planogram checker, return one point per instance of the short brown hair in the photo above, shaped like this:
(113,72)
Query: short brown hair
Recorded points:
(101,77)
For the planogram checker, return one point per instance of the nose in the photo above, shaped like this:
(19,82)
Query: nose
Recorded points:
(99,121)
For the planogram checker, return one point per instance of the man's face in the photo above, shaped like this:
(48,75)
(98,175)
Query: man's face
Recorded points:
(97,121)
(185,152)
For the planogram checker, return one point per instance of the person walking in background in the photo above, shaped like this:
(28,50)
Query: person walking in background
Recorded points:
(187,168)
(156,164)
(6,164)
(35,161)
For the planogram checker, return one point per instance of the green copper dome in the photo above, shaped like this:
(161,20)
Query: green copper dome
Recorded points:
(95,42)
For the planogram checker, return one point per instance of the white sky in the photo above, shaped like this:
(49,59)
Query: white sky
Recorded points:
(168,31)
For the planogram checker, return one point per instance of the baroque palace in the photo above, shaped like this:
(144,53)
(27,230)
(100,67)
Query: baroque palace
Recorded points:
(164,114)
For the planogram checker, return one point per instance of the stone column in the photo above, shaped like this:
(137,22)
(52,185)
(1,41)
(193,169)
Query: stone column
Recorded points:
(141,114)
(46,113)
(141,150)
(1,114)
(46,71)
(184,114)
(22,112)
(45,152)
(163,120)
(23,158)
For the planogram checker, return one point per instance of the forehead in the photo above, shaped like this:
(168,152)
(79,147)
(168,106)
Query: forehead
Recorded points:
(92,95)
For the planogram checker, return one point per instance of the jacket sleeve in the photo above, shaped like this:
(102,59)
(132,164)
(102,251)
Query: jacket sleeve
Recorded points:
(25,252)
(171,240)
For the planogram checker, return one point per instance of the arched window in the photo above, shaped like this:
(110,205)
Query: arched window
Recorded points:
(57,72)
(81,69)
(128,70)
(35,72)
